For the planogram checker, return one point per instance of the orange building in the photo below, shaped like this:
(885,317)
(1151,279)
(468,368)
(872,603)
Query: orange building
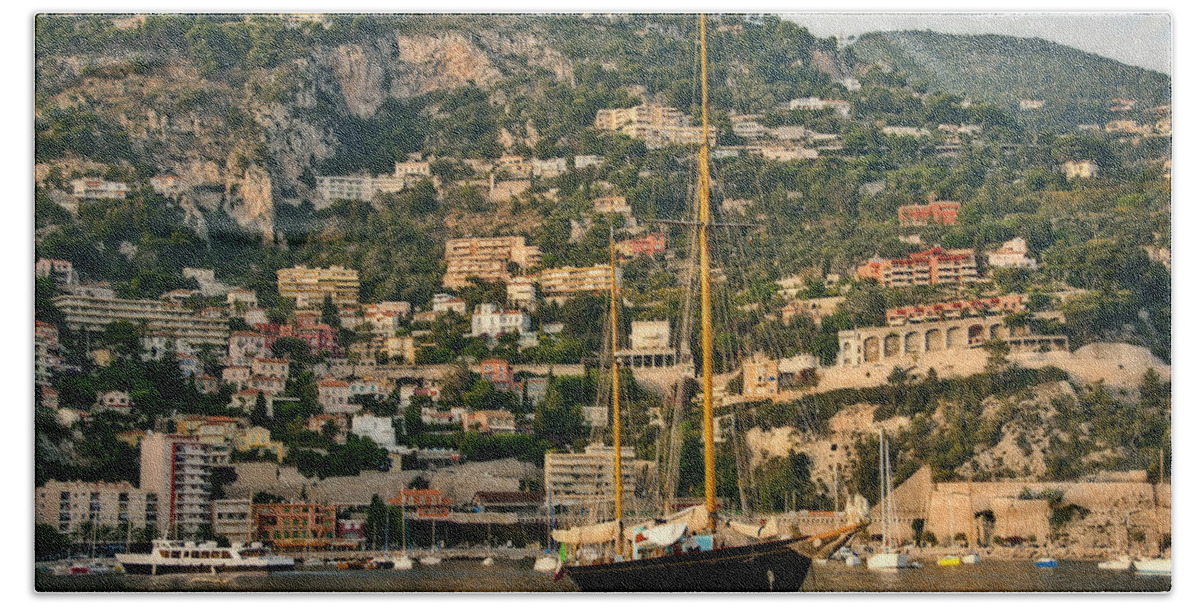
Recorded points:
(423,504)
(931,267)
(290,525)
(936,212)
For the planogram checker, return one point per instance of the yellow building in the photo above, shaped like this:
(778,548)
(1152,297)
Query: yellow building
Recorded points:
(486,258)
(559,283)
(309,286)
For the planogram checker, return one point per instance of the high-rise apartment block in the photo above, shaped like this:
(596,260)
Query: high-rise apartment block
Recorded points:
(177,469)
(93,314)
(309,286)
(486,258)
(932,267)
(656,125)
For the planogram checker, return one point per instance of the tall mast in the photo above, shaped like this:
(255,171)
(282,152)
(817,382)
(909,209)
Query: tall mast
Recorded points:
(706,338)
(616,388)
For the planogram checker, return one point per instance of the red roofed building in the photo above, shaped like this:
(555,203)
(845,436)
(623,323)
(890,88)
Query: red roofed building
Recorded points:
(932,267)
(499,373)
(936,212)
(650,245)
(318,336)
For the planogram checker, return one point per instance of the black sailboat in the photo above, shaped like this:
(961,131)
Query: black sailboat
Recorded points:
(694,550)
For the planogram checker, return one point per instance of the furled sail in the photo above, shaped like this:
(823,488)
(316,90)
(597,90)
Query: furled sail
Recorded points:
(660,536)
(765,530)
(604,532)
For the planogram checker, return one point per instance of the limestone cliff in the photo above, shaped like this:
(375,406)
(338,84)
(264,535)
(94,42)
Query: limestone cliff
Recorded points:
(254,209)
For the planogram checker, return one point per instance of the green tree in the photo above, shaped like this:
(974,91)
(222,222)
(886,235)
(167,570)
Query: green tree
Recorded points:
(413,425)
(997,355)
(329,313)
(258,415)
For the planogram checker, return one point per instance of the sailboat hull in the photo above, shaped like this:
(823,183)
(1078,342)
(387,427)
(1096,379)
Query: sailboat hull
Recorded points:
(771,566)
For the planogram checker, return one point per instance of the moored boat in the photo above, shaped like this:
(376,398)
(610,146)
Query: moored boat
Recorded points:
(173,556)
(546,563)
(1046,562)
(1160,566)
(1123,562)
(950,560)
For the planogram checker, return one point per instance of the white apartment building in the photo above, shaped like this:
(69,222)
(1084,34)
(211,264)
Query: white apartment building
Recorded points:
(231,518)
(176,468)
(245,347)
(377,428)
(93,314)
(1082,169)
(270,366)
(362,187)
(407,168)
(489,320)
(522,291)
(444,302)
(334,397)
(65,505)
(384,317)
(113,401)
(816,103)
(656,125)
(1012,254)
(587,478)
(96,188)
(583,161)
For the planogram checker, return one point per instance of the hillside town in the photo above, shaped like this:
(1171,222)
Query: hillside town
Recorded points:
(290,343)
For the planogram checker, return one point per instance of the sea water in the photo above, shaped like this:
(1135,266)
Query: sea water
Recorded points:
(518,575)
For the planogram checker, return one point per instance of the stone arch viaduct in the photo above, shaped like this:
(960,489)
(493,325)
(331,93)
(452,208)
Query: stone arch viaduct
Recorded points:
(877,344)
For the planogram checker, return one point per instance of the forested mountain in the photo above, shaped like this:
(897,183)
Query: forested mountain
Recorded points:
(1078,87)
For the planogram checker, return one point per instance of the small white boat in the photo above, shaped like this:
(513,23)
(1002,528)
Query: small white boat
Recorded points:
(970,558)
(404,562)
(430,560)
(1123,562)
(488,561)
(889,560)
(546,563)
(1154,566)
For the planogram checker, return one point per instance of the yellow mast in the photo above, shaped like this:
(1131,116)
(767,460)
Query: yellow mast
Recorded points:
(616,403)
(706,339)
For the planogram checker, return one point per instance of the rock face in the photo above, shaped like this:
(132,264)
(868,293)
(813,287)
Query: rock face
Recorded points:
(444,61)
(360,73)
(243,144)
(256,209)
